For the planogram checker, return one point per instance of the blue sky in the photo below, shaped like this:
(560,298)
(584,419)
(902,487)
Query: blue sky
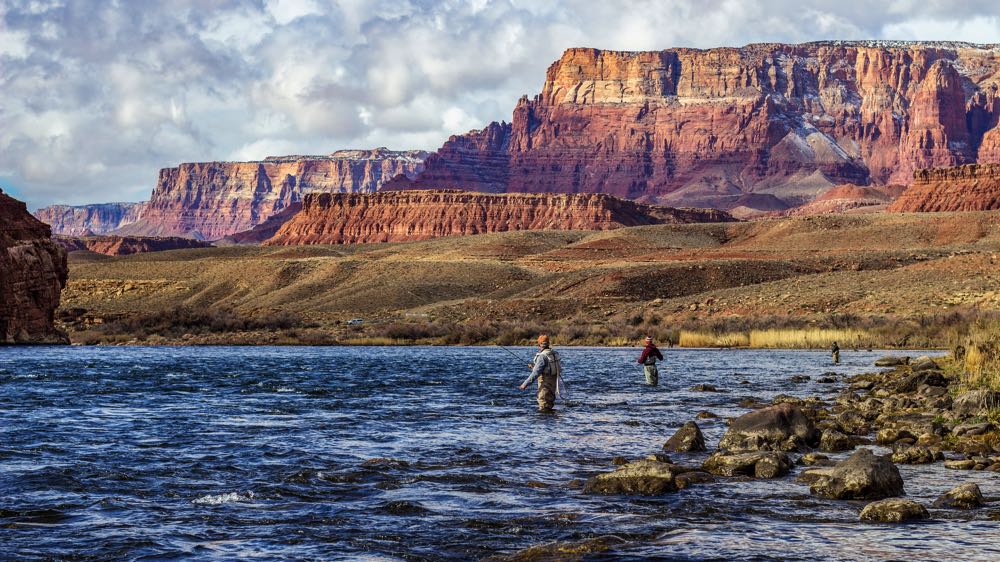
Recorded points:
(96,97)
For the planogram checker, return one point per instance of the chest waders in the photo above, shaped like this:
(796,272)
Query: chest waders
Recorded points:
(649,369)
(549,380)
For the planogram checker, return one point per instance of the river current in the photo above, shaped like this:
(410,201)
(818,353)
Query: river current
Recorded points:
(412,453)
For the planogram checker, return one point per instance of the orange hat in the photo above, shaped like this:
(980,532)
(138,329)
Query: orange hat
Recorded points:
(543,340)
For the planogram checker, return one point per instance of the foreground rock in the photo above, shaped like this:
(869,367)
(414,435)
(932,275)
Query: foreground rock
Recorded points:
(32,275)
(756,464)
(891,361)
(783,427)
(688,438)
(644,477)
(862,476)
(966,496)
(894,510)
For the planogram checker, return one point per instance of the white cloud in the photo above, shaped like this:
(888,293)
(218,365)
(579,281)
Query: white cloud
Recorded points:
(98,95)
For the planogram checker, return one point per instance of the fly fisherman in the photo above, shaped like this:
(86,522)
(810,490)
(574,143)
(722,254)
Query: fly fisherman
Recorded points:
(835,353)
(546,369)
(648,361)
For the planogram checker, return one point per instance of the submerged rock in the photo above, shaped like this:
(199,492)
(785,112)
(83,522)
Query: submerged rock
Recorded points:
(783,427)
(862,476)
(894,510)
(645,477)
(815,459)
(564,550)
(762,464)
(963,464)
(966,496)
(688,479)
(704,388)
(688,438)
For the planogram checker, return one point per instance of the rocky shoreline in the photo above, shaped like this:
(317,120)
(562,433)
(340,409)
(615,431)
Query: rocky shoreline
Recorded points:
(917,409)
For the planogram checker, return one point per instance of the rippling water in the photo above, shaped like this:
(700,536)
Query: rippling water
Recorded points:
(218,453)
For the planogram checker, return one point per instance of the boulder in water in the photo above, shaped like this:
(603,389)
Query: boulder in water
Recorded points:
(688,438)
(894,510)
(644,477)
(783,427)
(833,441)
(966,496)
(862,476)
(891,361)
(915,454)
(762,464)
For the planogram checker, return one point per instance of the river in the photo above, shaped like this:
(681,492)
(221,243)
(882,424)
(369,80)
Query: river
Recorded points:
(267,453)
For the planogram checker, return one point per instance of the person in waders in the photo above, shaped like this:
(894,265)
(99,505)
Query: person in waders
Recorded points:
(650,354)
(546,368)
(835,353)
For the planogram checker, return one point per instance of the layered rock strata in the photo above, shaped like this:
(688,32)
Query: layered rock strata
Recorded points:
(706,127)
(210,200)
(418,215)
(127,245)
(86,220)
(32,275)
(974,187)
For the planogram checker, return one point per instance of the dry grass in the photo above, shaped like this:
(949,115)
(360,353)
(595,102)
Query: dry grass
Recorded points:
(705,339)
(982,356)
(809,339)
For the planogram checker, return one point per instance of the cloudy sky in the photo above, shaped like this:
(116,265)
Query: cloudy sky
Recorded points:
(96,96)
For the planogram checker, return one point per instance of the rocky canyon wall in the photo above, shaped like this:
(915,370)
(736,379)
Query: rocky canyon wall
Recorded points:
(706,127)
(974,187)
(211,200)
(418,215)
(113,245)
(85,220)
(32,274)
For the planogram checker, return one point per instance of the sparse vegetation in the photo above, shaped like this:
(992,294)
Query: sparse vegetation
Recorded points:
(982,355)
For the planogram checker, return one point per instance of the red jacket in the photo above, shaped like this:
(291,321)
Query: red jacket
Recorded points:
(650,350)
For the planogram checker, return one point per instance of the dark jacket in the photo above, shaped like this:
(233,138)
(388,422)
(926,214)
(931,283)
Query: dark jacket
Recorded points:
(650,351)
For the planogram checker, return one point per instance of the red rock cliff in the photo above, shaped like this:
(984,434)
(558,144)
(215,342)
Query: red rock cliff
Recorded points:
(127,245)
(32,274)
(419,215)
(85,220)
(214,199)
(974,187)
(704,127)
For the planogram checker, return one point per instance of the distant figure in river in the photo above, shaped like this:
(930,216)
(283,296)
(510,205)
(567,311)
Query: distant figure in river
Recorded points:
(650,354)
(546,368)
(835,353)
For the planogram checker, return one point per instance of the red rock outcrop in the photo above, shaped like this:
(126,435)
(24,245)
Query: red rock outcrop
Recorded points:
(849,199)
(127,245)
(86,220)
(973,187)
(32,275)
(418,215)
(705,127)
(210,200)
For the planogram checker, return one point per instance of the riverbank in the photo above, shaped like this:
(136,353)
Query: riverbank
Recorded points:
(896,281)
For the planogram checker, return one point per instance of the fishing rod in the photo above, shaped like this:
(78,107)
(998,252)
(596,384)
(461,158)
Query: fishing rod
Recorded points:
(477,330)
(562,389)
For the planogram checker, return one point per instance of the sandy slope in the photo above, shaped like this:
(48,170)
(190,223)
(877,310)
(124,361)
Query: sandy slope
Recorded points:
(801,267)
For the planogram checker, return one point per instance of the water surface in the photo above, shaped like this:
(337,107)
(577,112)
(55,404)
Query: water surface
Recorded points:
(267,453)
